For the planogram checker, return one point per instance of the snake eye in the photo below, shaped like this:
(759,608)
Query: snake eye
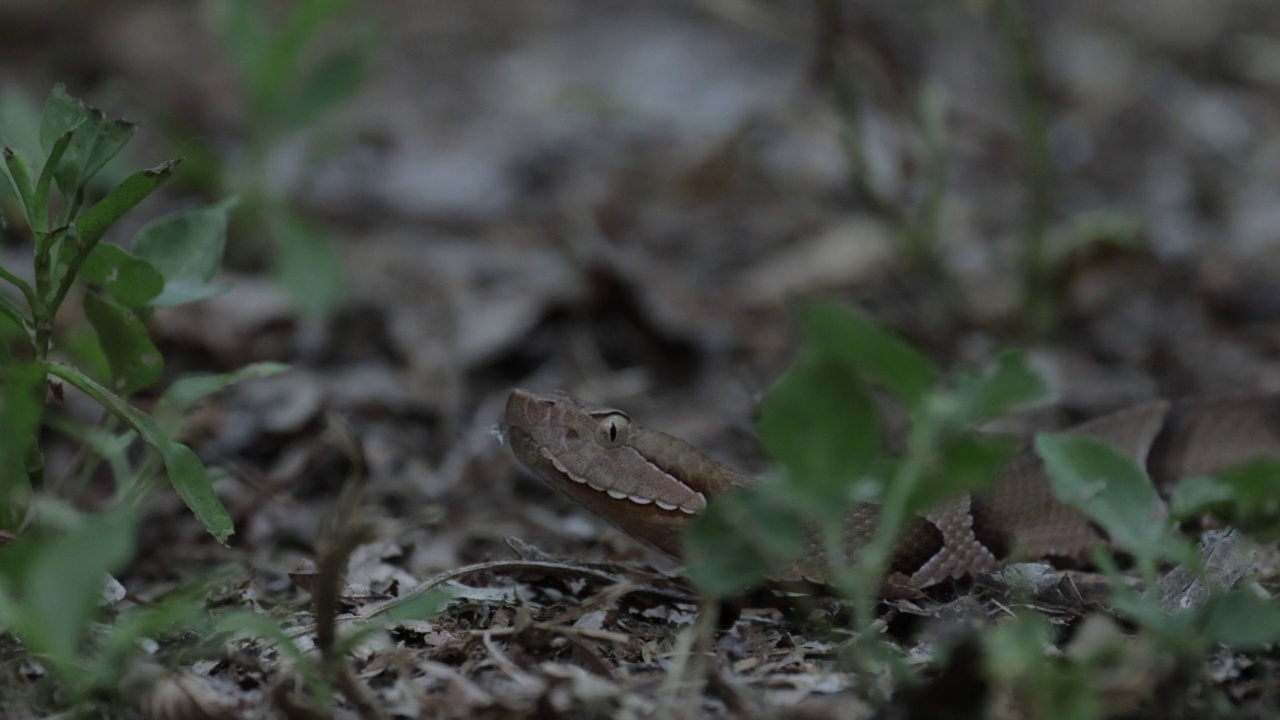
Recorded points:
(615,429)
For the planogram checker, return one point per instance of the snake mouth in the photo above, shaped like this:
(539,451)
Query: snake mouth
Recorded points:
(654,503)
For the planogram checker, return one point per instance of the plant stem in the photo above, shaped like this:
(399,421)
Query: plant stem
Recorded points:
(1037,162)
(926,431)
(72,269)
(35,466)
(38,314)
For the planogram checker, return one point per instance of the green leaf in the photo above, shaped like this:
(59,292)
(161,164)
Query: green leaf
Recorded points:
(262,626)
(1012,648)
(1099,481)
(966,463)
(189,478)
(80,347)
(741,538)
(1014,654)
(307,19)
(1241,620)
(135,362)
(10,610)
(820,425)
(61,113)
(122,637)
(1197,496)
(867,349)
(185,392)
(20,181)
(129,280)
(1011,384)
(65,582)
(186,247)
(1246,497)
(420,607)
(275,71)
(40,221)
(1175,631)
(96,141)
(21,406)
(245,32)
(19,557)
(182,292)
(332,81)
(10,309)
(185,471)
(94,222)
(306,264)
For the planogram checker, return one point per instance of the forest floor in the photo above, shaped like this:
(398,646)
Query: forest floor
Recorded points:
(628,201)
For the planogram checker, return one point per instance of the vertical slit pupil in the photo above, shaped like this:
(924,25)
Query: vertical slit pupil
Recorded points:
(613,432)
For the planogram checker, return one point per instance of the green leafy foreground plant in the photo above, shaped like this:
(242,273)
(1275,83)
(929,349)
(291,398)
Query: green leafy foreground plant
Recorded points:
(173,261)
(819,422)
(51,589)
(821,426)
(52,575)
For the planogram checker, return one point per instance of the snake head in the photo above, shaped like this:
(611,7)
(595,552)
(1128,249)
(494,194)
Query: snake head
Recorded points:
(648,483)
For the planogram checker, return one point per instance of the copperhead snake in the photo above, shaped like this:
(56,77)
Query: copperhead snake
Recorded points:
(651,485)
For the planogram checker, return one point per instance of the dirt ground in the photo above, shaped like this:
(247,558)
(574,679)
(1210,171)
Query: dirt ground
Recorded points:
(627,201)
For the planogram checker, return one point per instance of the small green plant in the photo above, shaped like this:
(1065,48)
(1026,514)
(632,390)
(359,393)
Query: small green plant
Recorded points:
(289,85)
(52,576)
(818,422)
(1105,485)
(173,261)
(51,588)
